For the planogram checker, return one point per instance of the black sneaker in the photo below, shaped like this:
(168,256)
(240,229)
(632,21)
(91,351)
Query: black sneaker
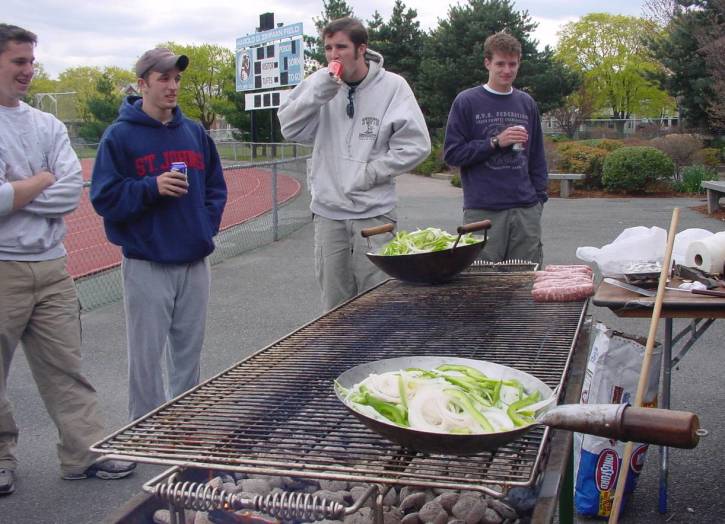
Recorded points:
(7,481)
(106,470)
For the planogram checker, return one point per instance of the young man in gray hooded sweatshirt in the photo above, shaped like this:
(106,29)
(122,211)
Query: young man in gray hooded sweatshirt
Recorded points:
(366,128)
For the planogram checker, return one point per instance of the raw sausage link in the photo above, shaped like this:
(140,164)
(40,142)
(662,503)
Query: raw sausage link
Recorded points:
(563,294)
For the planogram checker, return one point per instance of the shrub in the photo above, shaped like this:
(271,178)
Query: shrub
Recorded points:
(709,156)
(607,144)
(633,169)
(551,151)
(433,164)
(692,176)
(578,158)
(456,180)
(679,147)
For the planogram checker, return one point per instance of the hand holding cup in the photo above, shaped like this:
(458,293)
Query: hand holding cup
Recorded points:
(334,68)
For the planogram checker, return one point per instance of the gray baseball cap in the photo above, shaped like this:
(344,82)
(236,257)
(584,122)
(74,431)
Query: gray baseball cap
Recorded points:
(160,60)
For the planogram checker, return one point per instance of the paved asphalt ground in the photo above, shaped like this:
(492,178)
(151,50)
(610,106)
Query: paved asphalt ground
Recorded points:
(263,295)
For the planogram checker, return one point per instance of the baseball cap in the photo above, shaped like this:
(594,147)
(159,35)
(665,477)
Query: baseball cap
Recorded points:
(161,60)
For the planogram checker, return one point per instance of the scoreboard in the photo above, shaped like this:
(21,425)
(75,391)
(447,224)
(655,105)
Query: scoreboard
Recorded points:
(269,60)
(276,64)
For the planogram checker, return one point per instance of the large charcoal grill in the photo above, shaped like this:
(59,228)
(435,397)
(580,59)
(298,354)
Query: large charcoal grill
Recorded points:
(275,413)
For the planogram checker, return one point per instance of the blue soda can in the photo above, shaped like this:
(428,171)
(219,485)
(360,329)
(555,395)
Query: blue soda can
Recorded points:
(181,168)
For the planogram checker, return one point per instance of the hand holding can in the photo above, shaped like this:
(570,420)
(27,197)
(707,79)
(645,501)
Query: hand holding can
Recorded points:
(334,68)
(180,167)
(518,146)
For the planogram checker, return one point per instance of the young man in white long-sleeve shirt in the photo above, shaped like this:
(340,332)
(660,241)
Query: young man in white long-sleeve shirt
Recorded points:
(40,182)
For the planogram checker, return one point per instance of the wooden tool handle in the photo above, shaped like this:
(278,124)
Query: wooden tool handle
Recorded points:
(377,230)
(664,427)
(474,226)
(708,292)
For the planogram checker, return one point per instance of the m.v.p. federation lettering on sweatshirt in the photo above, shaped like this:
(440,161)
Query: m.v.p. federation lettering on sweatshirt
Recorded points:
(134,150)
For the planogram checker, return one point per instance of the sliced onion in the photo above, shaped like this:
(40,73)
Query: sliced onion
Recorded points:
(384,386)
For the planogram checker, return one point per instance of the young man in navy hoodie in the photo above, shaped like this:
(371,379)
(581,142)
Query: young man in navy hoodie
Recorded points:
(164,222)
(494,135)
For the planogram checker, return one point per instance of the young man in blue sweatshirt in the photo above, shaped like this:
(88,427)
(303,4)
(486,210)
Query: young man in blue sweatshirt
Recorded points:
(494,135)
(40,183)
(164,222)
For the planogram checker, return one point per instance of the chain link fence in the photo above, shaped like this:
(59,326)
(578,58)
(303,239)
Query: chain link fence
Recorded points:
(268,199)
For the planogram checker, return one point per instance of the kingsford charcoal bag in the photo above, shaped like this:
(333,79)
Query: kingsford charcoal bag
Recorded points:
(611,377)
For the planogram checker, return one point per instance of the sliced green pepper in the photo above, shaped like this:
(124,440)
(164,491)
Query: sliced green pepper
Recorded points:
(513,410)
(393,412)
(464,401)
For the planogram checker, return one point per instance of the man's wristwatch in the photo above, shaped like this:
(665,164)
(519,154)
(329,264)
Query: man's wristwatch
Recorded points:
(494,142)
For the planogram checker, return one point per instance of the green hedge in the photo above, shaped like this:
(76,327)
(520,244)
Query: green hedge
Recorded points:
(634,169)
(708,156)
(576,157)
(692,176)
(607,144)
(433,164)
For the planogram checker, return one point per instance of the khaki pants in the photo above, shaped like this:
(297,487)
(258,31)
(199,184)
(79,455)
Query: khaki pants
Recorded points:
(39,308)
(515,233)
(343,270)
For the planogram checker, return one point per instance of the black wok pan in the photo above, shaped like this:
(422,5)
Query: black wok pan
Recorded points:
(429,268)
(617,421)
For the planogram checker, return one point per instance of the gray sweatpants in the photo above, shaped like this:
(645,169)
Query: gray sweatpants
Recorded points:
(343,270)
(165,307)
(515,233)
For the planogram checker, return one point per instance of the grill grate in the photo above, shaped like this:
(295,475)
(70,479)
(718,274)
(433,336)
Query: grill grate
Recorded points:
(276,412)
(507,266)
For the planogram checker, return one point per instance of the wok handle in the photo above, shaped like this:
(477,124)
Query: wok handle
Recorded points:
(664,427)
(377,230)
(474,226)
(677,429)
(708,292)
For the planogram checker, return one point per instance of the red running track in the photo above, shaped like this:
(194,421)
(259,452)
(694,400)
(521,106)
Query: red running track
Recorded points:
(249,196)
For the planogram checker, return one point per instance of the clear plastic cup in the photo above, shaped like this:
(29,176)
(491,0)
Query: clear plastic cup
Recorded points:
(518,146)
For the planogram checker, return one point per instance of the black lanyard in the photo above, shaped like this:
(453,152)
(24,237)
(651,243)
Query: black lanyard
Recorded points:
(350,105)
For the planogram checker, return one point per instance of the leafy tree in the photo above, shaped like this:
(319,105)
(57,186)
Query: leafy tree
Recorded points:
(609,51)
(660,11)
(453,56)
(102,109)
(83,82)
(331,10)
(400,40)
(231,106)
(692,48)
(211,68)
(711,36)
(577,107)
(42,83)
(548,80)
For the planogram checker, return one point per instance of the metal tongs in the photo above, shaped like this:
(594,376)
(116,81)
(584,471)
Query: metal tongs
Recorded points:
(651,293)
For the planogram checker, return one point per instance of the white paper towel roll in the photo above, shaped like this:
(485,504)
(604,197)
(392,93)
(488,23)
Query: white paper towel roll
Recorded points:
(707,254)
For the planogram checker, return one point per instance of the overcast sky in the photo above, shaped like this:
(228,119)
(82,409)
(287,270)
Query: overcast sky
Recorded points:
(75,33)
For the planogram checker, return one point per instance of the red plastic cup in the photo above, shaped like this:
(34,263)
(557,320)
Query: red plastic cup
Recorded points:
(335,69)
